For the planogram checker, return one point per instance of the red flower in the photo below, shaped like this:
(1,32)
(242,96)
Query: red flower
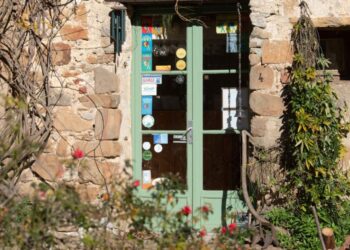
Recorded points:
(202,233)
(205,209)
(78,154)
(232,227)
(136,183)
(186,210)
(223,230)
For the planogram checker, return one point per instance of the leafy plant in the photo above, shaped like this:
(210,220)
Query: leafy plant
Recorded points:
(315,127)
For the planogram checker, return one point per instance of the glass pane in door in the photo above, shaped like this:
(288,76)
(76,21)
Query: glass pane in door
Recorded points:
(168,106)
(221,159)
(221,102)
(163,154)
(220,42)
(163,43)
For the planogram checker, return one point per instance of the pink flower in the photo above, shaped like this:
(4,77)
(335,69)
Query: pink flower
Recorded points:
(41,195)
(82,90)
(223,230)
(78,154)
(232,227)
(205,209)
(186,210)
(202,233)
(136,183)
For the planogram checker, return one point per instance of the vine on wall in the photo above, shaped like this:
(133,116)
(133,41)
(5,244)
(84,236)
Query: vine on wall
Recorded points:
(27,29)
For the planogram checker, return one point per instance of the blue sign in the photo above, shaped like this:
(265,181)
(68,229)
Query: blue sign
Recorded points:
(147,62)
(160,138)
(146,105)
(146,42)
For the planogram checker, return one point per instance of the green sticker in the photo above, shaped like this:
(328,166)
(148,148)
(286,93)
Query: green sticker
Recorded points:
(147,155)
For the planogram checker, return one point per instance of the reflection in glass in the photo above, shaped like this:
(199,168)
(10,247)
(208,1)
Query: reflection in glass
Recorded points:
(221,162)
(221,103)
(220,42)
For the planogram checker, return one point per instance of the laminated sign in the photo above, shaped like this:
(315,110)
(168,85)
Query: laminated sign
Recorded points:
(147,102)
(149,89)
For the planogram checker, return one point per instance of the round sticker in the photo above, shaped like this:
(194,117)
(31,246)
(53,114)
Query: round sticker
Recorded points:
(146,145)
(158,148)
(180,79)
(148,121)
(181,65)
(181,53)
(147,155)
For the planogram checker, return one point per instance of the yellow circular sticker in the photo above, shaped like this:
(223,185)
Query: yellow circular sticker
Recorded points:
(181,65)
(181,53)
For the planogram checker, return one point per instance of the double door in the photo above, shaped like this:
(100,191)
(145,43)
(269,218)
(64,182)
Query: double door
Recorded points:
(189,107)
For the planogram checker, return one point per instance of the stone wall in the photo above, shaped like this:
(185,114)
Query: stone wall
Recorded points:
(92,105)
(92,97)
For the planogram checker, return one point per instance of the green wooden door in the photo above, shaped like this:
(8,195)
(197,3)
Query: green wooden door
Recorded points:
(185,87)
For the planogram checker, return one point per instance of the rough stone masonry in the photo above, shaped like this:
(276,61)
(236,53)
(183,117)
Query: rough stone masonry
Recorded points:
(93,97)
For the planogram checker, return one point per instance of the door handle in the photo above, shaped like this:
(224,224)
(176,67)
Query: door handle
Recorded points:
(188,131)
(188,134)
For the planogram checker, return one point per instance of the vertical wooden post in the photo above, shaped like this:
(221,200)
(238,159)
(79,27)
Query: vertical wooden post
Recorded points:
(328,237)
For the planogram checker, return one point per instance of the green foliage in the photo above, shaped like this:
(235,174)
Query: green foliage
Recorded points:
(302,229)
(31,223)
(315,127)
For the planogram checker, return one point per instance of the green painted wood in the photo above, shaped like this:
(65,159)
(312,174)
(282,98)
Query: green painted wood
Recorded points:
(221,132)
(195,196)
(171,132)
(170,72)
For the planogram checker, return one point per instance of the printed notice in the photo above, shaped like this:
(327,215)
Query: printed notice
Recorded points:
(149,89)
(155,79)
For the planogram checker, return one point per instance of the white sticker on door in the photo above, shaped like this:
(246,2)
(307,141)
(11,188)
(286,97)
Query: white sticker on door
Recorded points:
(149,89)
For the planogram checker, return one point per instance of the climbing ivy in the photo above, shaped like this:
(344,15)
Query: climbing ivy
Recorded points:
(316,125)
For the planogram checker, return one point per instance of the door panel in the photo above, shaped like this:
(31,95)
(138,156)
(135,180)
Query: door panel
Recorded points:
(197,99)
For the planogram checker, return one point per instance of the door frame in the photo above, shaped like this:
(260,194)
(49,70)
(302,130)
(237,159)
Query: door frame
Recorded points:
(195,194)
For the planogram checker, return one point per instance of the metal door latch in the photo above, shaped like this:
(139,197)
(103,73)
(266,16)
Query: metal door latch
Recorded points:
(188,134)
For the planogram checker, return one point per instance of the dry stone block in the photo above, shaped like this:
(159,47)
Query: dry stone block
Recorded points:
(261,77)
(66,120)
(61,54)
(27,176)
(100,59)
(106,149)
(343,92)
(48,167)
(260,33)
(63,148)
(97,172)
(107,124)
(81,14)
(74,32)
(88,192)
(105,101)
(254,59)
(266,104)
(275,52)
(105,81)
(261,126)
(59,98)
(258,20)
(323,22)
